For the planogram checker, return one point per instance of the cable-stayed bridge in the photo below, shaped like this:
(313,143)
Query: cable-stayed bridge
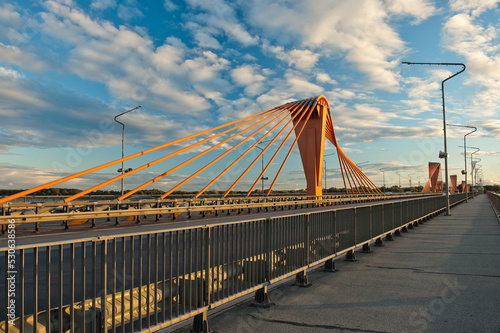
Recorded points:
(309,119)
(305,123)
(145,279)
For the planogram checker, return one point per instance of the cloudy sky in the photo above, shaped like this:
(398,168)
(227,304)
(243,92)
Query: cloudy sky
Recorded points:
(68,67)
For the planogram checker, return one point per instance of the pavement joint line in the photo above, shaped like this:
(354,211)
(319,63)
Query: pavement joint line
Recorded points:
(423,271)
(437,252)
(330,327)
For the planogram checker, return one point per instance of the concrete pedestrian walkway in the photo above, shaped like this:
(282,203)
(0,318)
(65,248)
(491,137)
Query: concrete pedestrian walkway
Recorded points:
(443,276)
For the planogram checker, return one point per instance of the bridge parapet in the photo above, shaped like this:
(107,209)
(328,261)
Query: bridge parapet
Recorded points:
(154,280)
(80,212)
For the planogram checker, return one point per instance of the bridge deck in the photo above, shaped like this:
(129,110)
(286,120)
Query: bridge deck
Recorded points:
(443,276)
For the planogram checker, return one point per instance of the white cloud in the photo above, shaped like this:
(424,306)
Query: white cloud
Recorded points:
(103,4)
(8,14)
(469,37)
(16,56)
(248,77)
(222,16)
(420,10)
(367,123)
(301,85)
(357,30)
(15,92)
(340,93)
(294,86)
(128,13)
(170,6)
(206,40)
(474,7)
(424,93)
(302,59)
(325,78)
(98,50)
(7,72)
(491,127)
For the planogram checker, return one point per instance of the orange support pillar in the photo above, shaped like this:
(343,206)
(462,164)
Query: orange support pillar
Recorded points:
(312,146)
(453,180)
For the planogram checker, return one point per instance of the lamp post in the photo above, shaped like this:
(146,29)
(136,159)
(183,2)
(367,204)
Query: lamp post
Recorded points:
(472,169)
(383,175)
(410,179)
(359,164)
(478,168)
(399,175)
(465,156)
(262,157)
(122,170)
(445,153)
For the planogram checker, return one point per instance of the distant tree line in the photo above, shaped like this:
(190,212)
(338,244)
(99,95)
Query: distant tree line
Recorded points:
(494,188)
(71,191)
(157,192)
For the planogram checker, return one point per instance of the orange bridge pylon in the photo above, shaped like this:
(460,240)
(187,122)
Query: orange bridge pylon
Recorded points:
(434,184)
(310,120)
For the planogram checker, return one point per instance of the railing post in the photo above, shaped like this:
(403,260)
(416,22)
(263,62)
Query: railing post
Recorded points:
(307,241)
(301,278)
(104,279)
(66,210)
(261,298)
(93,220)
(37,225)
(200,321)
(267,238)
(4,213)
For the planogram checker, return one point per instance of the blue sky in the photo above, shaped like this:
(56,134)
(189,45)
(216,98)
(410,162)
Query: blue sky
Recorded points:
(68,67)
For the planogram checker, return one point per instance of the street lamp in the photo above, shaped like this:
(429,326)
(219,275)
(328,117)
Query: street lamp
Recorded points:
(263,178)
(474,176)
(445,153)
(383,174)
(359,164)
(472,168)
(399,175)
(410,179)
(465,156)
(122,169)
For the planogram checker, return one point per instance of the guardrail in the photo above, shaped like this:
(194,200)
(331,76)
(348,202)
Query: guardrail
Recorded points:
(148,281)
(79,212)
(495,202)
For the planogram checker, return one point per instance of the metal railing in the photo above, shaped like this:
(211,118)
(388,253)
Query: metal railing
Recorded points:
(79,212)
(148,281)
(495,202)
